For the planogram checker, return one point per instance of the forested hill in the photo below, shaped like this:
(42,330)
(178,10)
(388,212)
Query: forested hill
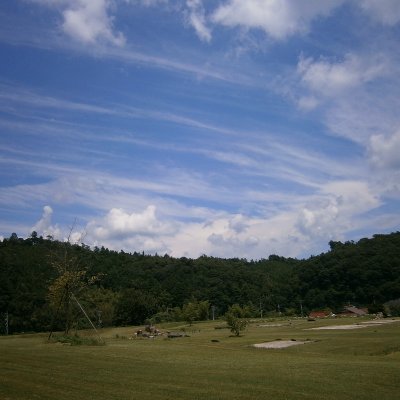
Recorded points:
(127,288)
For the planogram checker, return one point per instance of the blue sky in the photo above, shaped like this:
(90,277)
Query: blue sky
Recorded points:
(229,128)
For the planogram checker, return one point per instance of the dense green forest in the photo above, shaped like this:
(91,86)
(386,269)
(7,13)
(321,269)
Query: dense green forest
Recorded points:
(119,288)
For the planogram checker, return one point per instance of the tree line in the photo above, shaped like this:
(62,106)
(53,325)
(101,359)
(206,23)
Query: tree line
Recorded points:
(42,280)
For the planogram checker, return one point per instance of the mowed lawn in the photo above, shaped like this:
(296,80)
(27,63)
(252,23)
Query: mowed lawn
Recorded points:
(210,364)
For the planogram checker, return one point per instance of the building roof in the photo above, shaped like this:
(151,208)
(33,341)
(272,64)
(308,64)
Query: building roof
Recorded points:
(354,311)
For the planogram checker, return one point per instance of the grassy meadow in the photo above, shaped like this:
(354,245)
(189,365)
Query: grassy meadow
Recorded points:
(209,364)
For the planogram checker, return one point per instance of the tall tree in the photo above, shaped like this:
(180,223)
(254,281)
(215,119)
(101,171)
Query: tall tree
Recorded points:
(72,278)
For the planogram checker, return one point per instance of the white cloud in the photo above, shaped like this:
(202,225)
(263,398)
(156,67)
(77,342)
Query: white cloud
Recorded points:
(335,208)
(386,12)
(254,237)
(278,18)
(319,220)
(308,224)
(353,197)
(330,78)
(358,95)
(238,223)
(361,114)
(118,223)
(283,18)
(44,226)
(219,235)
(196,18)
(136,231)
(222,236)
(87,21)
(385,150)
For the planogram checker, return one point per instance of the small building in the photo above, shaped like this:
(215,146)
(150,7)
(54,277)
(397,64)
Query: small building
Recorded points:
(319,314)
(351,311)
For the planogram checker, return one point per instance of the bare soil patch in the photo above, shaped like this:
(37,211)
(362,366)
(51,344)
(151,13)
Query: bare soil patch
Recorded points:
(354,326)
(380,321)
(280,344)
(364,324)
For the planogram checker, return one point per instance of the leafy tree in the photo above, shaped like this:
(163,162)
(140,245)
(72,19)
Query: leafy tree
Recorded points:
(100,304)
(195,311)
(236,318)
(134,306)
(190,312)
(72,278)
(203,310)
(24,281)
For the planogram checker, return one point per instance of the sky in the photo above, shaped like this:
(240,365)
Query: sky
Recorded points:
(229,128)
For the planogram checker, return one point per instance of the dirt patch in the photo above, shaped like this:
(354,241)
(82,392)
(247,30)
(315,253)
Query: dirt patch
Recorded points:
(380,321)
(364,324)
(280,344)
(355,326)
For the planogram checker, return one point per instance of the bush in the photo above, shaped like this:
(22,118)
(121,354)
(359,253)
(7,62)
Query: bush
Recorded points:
(375,309)
(76,340)
(392,308)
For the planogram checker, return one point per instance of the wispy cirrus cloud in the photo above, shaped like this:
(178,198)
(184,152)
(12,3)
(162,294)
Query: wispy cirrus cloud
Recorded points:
(196,18)
(22,102)
(353,94)
(284,162)
(45,37)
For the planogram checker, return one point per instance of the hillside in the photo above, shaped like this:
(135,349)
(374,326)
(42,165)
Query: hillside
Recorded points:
(129,288)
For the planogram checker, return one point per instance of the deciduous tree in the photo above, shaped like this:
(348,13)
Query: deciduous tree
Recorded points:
(71,279)
(236,319)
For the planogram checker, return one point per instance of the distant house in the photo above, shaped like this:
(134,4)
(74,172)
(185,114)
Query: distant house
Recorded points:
(351,311)
(319,314)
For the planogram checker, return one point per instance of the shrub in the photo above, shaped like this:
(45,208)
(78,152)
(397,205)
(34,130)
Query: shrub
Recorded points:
(76,340)
(392,308)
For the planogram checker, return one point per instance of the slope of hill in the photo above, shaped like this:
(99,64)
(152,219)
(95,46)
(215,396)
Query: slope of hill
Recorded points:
(132,287)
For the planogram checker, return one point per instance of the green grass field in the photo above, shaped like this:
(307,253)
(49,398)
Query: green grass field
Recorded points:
(210,364)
